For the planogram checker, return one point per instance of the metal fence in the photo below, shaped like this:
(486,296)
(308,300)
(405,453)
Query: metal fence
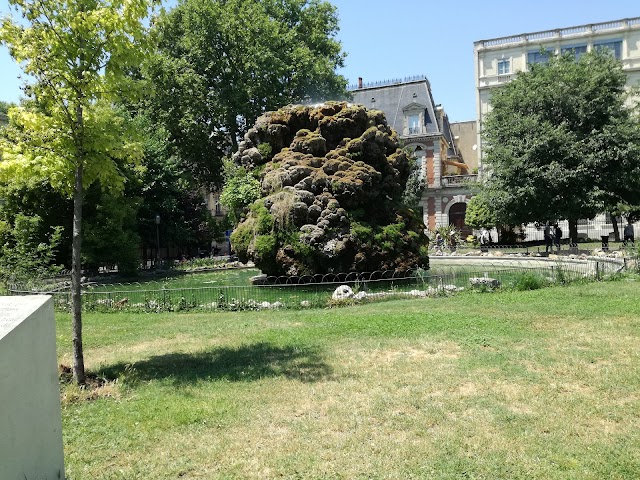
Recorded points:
(330,290)
(589,230)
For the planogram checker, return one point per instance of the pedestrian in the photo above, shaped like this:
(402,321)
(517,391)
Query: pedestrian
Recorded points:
(548,237)
(557,234)
(629,235)
(439,242)
(484,237)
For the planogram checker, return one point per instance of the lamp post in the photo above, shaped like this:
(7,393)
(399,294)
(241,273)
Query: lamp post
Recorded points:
(157,238)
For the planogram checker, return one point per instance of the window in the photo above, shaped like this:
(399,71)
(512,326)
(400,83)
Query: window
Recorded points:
(538,56)
(504,66)
(414,123)
(615,47)
(577,50)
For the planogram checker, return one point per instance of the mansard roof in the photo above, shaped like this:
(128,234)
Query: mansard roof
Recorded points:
(396,96)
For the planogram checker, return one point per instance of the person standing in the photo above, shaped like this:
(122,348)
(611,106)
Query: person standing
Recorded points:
(629,234)
(557,235)
(484,237)
(548,237)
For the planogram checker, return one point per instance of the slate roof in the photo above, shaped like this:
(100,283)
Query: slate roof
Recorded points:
(395,96)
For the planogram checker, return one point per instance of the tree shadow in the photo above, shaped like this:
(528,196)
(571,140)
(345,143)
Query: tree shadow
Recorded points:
(241,364)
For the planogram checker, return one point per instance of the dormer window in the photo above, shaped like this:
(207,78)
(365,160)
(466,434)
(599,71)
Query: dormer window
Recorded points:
(414,124)
(414,119)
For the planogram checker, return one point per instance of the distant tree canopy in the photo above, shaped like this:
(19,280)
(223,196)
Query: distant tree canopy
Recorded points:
(5,106)
(221,64)
(561,142)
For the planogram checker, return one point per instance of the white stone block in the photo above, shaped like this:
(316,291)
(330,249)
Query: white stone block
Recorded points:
(30,420)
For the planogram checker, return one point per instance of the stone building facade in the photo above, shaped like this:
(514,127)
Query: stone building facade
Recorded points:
(498,60)
(424,128)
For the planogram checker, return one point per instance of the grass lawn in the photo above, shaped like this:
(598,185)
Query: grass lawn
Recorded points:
(516,385)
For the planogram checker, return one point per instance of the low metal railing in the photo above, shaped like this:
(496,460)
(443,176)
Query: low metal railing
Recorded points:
(321,291)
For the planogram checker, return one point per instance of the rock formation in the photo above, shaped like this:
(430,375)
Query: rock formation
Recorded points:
(331,176)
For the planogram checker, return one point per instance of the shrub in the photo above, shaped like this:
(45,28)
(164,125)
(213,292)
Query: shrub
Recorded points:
(528,281)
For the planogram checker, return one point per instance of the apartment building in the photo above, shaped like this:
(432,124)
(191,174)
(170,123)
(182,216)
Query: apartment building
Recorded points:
(498,60)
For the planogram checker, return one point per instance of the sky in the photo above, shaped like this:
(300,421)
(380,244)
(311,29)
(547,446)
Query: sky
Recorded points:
(401,38)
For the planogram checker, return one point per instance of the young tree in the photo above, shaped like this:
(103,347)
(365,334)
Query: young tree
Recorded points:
(561,142)
(77,53)
(479,213)
(221,64)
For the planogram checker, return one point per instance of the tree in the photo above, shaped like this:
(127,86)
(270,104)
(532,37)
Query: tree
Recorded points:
(221,64)
(167,189)
(35,198)
(415,184)
(110,234)
(24,254)
(78,54)
(241,189)
(479,213)
(5,106)
(561,142)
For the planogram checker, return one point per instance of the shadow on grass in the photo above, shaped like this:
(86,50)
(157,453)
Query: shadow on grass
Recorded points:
(245,363)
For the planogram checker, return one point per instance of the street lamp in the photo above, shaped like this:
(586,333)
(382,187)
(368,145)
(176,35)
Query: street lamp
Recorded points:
(157,238)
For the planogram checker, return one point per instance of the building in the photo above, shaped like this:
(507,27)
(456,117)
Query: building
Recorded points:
(423,127)
(498,60)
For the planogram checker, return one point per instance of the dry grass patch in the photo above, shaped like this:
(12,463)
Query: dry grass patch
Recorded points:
(412,389)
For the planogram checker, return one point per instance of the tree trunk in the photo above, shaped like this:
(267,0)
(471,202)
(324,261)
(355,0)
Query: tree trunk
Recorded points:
(76,274)
(573,230)
(76,248)
(616,230)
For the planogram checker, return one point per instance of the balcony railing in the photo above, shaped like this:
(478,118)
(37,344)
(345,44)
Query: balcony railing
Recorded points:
(560,33)
(458,180)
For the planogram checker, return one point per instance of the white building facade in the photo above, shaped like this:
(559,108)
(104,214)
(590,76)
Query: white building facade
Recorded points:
(498,61)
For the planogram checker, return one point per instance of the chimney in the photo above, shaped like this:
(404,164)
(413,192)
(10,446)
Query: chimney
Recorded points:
(359,82)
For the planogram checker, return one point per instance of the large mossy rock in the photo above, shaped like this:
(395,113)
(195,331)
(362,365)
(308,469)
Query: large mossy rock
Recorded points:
(332,177)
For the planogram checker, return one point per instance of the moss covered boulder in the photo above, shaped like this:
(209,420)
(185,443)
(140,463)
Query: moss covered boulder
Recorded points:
(332,177)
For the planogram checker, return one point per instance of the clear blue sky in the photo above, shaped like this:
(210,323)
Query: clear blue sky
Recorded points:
(392,39)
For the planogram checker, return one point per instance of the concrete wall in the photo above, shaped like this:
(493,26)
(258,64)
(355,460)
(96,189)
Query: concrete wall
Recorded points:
(30,420)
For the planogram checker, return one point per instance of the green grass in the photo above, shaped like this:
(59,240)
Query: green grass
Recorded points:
(516,385)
